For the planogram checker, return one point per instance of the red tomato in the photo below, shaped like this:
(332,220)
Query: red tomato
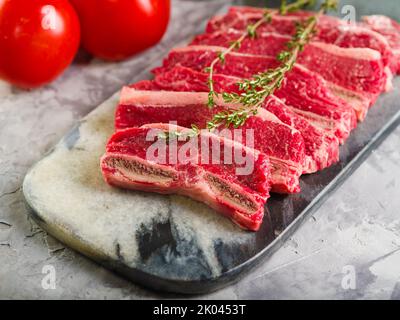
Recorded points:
(38,40)
(117,29)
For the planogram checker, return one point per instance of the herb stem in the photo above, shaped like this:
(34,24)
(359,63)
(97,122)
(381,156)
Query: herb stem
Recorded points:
(259,88)
(299,4)
(302,40)
(251,32)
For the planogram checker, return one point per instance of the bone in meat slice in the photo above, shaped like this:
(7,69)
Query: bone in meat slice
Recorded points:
(126,164)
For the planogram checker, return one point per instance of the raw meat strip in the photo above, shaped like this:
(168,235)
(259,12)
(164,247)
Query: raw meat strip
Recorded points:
(240,197)
(389,29)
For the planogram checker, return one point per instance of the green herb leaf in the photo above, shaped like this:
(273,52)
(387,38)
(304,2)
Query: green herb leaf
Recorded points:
(221,57)
(251,31)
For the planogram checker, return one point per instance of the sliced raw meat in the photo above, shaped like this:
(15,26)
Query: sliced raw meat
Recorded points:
(305,91)
(330,29)
(321,146)
(357,75)
(282,143)
(129,163)
(389,29)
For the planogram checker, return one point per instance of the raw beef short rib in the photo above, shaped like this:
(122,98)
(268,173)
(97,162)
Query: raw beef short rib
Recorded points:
(240,197)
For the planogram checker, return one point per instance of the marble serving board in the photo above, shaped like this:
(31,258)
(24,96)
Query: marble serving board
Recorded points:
(172,243)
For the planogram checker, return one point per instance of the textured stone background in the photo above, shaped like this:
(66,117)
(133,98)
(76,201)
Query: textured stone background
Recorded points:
(358,226)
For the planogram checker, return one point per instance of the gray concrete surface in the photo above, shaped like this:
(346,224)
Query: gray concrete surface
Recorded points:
(355,256)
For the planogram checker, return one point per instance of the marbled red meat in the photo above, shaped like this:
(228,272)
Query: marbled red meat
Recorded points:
(239,197)
(390,30)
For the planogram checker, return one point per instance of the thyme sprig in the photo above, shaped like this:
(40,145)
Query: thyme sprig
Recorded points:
(251,32)
(182,136)
(293,7)
(257,89)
